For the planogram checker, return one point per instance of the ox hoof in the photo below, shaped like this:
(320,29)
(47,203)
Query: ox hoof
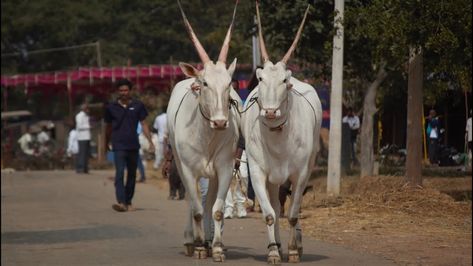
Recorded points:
(294,256)
(189,249)
(274,259)
(218,257)
(200,253)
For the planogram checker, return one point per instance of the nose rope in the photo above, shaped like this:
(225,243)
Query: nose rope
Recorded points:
(202,113)
(234,103)
(311,106)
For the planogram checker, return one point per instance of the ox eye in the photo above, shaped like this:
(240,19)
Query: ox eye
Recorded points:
(260,79)
(205,84)
(284,81)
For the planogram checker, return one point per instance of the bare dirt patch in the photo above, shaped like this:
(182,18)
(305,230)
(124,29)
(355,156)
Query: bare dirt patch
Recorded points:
(382,215)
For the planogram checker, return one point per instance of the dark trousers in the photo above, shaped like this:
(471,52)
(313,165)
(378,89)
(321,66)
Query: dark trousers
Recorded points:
(433,150)
(175,183)
(125,159)
(250,192)
(83,156)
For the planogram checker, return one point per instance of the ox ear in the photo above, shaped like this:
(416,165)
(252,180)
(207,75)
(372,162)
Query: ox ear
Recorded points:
(232,67)
(288,79)
(258,74)
(189,70)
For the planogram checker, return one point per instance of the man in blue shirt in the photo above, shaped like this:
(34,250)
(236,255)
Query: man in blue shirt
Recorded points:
(122,118)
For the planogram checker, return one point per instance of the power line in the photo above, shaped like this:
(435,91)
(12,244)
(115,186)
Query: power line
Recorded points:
(51,49)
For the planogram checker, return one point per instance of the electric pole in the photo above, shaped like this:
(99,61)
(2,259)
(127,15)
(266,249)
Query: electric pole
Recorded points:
(334,155)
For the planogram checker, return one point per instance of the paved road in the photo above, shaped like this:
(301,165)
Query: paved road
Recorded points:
(61,218)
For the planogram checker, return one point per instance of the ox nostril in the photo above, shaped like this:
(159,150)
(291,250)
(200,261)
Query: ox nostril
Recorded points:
(270,113)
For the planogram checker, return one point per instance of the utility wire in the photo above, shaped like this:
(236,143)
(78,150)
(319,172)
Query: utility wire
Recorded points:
(49,50)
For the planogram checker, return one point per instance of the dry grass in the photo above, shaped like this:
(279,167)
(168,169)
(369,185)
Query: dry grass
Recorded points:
(383,215)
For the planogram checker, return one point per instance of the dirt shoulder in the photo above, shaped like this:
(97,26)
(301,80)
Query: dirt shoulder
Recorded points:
(381,215)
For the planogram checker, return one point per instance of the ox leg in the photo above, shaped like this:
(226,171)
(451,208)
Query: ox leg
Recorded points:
(273,191)
(224,180)
(209,224)
(196,212)
(189,234)
(295,233)
(258,180)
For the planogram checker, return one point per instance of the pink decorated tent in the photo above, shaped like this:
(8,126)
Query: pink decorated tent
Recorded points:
(143,76)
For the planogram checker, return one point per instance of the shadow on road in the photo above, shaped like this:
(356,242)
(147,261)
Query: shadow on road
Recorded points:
(69,235)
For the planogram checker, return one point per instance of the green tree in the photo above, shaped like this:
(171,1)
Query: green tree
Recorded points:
(144,32)
(416,36)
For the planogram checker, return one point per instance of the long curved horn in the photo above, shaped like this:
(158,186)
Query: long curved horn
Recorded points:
(200,49)
(298,35)
(264,53)
(222,57)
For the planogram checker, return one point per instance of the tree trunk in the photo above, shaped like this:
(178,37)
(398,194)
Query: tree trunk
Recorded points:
(414,117)
(366,136)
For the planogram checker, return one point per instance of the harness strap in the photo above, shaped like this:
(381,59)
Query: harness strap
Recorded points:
(179,107)
(274,244)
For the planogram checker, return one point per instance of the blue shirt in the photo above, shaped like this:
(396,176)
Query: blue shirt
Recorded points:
(124,124)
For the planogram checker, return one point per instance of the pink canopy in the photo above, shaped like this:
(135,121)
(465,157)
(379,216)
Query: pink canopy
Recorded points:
(138,74)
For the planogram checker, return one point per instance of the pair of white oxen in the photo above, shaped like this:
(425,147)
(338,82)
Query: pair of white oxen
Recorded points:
(280,122)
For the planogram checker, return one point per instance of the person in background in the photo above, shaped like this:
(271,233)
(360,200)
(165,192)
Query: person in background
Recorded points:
(235,197)
(468,136)
(354,122)
(73,146)
(43,136)
(122,117)
(83,136)
(169,171)
(43,140)
(141,167)
(26,142)
(160,124)
(433,133)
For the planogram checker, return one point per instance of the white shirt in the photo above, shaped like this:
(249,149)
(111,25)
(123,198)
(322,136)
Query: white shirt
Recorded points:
(72,143)
(82,126)
(468,129)
(160,124)
(353,122)
(43,137)
(24,142)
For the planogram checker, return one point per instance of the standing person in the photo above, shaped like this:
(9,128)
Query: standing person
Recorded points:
(160,124)
(354,123)
(235,197)
(141,167)
(468,135)
(122,117)
(433,133)
(73,146)
(83,136)
(169,171)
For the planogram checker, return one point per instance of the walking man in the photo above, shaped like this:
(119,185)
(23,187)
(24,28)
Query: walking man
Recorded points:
(122,118)
(83,137)
(354,123)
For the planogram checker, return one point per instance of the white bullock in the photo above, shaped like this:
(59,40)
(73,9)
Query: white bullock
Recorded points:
(203,132)
(281,128)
